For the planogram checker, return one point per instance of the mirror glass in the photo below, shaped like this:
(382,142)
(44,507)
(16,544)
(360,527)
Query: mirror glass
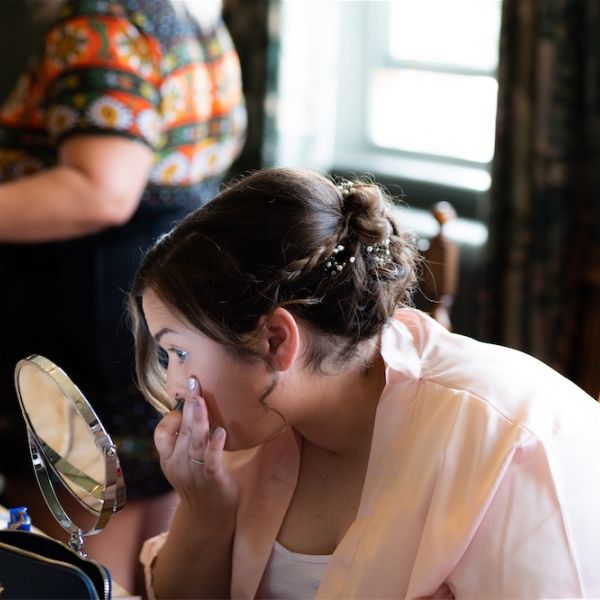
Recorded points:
(66,439)
(69,444)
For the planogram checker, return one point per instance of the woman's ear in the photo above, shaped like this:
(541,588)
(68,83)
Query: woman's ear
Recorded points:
(281,338)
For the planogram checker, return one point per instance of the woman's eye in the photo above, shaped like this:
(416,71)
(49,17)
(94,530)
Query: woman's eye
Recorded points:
(163,357)
(180,354)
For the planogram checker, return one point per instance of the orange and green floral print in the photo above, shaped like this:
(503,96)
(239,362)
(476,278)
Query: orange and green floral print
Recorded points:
(110,68)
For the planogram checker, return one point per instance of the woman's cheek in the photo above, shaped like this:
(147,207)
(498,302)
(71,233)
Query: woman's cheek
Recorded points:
(214,409)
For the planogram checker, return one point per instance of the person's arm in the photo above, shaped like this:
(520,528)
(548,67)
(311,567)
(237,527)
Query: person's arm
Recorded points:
(97,184)
(195,560)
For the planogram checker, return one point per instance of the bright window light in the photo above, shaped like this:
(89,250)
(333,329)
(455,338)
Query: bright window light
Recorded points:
(434,113)
(436,93)
(461,33)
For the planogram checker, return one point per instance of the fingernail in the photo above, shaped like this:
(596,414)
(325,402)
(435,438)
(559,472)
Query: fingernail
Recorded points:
(219,433)
(179,405)
(194,386)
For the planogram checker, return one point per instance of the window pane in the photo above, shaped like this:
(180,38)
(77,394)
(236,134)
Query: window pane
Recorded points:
(433,113)
(446,32)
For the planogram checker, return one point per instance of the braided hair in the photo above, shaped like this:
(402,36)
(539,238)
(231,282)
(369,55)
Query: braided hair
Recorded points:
(270,241)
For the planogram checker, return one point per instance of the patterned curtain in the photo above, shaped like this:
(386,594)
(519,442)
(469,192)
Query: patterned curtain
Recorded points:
(542,288)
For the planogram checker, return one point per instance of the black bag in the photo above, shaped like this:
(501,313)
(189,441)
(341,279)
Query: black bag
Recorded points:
(36,566)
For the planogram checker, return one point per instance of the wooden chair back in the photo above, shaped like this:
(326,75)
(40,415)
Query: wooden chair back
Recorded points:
(441,268)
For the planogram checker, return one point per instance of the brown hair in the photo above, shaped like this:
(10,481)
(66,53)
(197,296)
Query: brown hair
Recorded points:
(266,242)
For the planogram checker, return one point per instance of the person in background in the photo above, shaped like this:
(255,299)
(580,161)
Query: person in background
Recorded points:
(335,442)
(126,119)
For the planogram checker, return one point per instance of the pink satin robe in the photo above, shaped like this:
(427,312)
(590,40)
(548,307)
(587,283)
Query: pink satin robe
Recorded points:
(483,481)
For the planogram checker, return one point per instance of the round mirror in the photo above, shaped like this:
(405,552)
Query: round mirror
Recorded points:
(68,444)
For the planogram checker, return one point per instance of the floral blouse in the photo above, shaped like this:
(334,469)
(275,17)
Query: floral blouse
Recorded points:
(132,68)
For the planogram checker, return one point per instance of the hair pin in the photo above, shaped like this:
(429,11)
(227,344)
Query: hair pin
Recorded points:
(333,264)
(380,252)
(345,187)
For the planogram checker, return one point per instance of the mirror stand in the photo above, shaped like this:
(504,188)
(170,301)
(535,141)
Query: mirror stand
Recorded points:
(70,449)
(76,539)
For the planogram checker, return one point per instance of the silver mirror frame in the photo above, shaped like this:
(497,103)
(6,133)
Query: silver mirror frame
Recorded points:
(114,496)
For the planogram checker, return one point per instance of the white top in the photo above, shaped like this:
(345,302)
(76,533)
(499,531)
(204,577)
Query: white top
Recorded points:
(290,575)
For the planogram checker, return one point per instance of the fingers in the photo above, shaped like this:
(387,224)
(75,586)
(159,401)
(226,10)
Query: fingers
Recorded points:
(213,457)
(184,435)
(199,430)
(193,431)
(165,434)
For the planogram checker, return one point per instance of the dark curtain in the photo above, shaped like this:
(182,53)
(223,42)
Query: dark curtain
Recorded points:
(19,37)
(252,28)
(542,283)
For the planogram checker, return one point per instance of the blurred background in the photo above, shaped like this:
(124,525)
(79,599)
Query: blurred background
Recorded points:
(491,105)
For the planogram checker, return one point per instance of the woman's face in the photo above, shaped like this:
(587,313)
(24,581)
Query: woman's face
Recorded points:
(230,387)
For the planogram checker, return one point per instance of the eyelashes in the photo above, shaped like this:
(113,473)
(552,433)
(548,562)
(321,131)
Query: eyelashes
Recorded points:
(180,354)
(163,356)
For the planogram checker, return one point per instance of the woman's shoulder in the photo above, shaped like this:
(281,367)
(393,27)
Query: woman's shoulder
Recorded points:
(512,384)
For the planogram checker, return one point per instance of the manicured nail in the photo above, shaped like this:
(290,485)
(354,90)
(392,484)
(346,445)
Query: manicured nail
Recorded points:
(179,405)
(194,386)
(219,433)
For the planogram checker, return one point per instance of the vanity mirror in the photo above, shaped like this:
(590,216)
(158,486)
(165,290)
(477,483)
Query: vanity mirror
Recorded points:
(74,459)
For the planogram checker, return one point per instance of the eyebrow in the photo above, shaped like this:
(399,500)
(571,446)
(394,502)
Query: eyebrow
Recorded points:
(162,332)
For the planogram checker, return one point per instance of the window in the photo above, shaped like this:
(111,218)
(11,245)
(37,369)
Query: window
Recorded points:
(403,89)
(434,91)
(427,107)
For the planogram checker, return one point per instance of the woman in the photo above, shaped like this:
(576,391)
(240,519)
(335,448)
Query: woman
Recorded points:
(335,442)
(126,120)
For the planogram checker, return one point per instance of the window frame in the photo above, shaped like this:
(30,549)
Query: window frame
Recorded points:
(364,47)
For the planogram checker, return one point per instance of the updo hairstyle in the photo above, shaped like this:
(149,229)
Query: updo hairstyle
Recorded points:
(331,255)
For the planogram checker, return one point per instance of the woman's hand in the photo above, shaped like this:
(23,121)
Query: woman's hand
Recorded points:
(207,488)
(195,561)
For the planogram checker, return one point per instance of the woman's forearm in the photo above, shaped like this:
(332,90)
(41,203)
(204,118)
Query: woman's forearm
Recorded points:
(195,561)
(97,184)
(56,204)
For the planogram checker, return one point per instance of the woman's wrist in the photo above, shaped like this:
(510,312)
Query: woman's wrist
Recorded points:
(204,524)
(177,571)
